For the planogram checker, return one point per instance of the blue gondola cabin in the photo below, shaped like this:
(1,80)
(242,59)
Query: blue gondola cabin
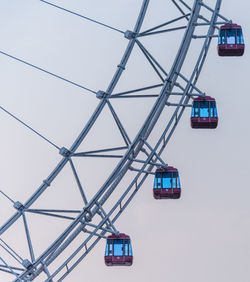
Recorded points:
(230,40)
(118,250)
(167,183)
(204,113)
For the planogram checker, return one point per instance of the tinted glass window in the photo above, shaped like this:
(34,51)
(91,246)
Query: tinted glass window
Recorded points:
(130,249)
(157,182)
(213,111)
(178,182)
(167,180)
(174,184)
(231,35)
(195,109)
(108,251)
(126,247)
(175,180)
(118,247)
(240,39)
(204,109)
(222,37)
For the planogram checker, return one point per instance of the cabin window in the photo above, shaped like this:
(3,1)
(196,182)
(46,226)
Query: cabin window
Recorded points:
(240,39)
(222,37)
(118,247)
(166,180)
(231,34)
(108,251)
(130,253)
(195,109)
(213,111)
(157,182)
(204,109)
(178,182)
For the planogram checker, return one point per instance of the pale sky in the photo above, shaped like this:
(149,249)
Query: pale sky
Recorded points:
(204,236)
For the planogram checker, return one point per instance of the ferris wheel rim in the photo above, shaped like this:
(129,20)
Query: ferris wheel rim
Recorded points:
(158,108)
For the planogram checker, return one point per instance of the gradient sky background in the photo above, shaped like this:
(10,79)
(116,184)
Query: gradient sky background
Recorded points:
(204,236)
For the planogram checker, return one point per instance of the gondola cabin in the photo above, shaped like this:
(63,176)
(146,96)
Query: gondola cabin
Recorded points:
(118,250)
(230,40)
(167,183)
(204,113)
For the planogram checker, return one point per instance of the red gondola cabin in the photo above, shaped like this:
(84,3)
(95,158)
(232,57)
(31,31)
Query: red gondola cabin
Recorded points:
(167,183)
(204,113)
(118,250)
(230,40)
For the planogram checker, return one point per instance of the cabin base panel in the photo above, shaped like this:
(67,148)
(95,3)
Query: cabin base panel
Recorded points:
(158,195)
(118,261)
(206,123)
(231,50)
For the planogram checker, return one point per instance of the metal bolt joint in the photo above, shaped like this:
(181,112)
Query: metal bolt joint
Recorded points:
(64,152)
(19,206)
(129,34)
(101,94)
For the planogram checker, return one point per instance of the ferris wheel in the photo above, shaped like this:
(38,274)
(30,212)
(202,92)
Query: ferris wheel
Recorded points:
(132,156)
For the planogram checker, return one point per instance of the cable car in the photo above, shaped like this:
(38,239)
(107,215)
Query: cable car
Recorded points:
(204,113)
(167,183)
(118,250)
(230,40)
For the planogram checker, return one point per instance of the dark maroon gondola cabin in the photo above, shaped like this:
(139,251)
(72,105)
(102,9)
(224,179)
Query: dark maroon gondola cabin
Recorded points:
(118,250)
(204,113)
(230,40)
(167,183)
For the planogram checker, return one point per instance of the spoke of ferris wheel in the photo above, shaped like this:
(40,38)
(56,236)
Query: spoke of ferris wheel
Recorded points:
(48,72)
(127,93)
(186,5)
(10,253)
(136,96)
(10,269)
(136,90)
(119,124)
(84,17)
(6,196)
(161,25)
(163,31)
(50,214)
(4,268)
(101,156)
(53,210)
(180,9)
(5,246)
(32,256)
(82,154)
(78,181)
(30,128)
(151,59)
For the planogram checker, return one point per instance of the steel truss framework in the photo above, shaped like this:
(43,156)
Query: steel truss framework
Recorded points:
(138,157)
